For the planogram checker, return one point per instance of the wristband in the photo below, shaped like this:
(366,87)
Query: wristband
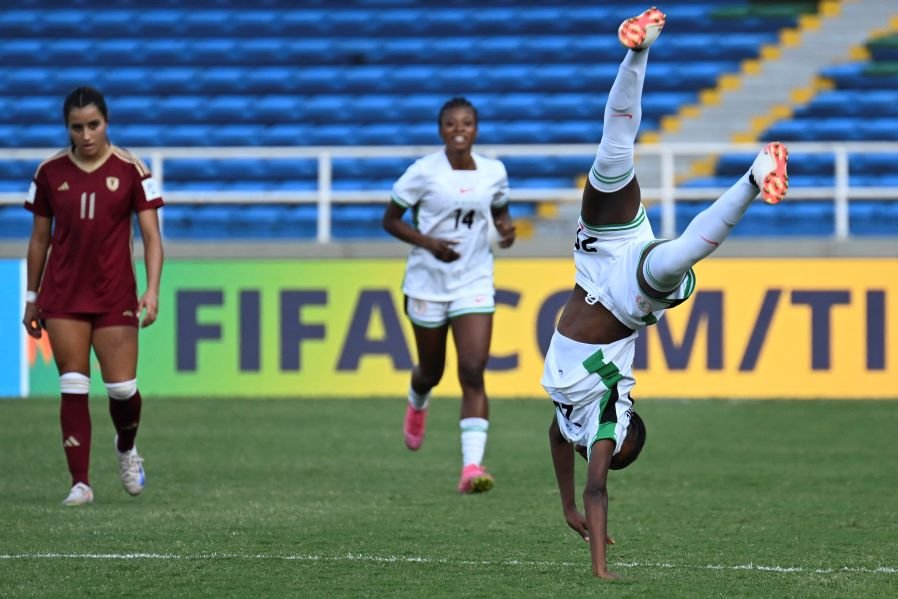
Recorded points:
(30,297)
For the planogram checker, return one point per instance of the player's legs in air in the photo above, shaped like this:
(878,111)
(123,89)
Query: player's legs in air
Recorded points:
(612,195)
(667,263)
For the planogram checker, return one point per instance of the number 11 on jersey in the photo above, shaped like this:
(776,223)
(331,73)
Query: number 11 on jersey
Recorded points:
(87,205)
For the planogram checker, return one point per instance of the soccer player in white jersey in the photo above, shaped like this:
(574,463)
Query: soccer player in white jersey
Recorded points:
(455,195)
(625,279)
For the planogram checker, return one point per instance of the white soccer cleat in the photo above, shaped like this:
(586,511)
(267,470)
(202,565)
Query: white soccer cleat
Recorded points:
(130,466)
(639,32)
(769,172)
(80,494)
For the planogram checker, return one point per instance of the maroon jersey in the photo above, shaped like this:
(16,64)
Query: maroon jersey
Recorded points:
(90,266)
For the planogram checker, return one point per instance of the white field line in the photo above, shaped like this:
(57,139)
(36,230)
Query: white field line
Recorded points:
(355,557)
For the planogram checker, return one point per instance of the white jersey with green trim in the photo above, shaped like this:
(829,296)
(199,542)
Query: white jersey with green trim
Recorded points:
(607,261)
(454,205)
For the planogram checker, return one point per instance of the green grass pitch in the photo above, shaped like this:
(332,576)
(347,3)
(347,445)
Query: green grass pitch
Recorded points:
(320,498)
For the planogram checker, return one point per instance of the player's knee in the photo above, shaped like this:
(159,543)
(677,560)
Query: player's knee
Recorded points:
(122,390)
(470,372)
(429,378)
(74,383)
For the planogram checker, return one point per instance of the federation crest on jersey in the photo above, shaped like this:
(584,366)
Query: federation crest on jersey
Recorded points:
(112,183)
(643,304)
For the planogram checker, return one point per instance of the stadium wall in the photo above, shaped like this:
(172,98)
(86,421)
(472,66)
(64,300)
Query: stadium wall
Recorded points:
(756,328)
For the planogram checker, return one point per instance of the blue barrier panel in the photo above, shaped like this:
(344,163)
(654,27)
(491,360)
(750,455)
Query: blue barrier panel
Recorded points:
(12,351)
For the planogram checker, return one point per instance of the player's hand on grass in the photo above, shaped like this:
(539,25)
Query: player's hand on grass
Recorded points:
(31,320)
(443,249)
(149,302)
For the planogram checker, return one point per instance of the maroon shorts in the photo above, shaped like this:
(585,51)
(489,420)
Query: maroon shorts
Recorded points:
(115,318)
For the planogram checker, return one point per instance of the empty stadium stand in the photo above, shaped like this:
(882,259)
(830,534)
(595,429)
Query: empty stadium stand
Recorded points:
(269,73)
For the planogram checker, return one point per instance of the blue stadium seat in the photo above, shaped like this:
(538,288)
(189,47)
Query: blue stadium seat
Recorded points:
(879,102)
(330,135)
(17,186)
(295,185)
(151,22)
(37,80)
(173,109)
(215,51)
(185,135)
(873,164)
(280,134)
(114,52)
(305,23)
(18,171)
(135,135)
(234,135)
(209,23)
(422,107)
(129,80)
(42,136)
(24,52)
(33,110)
(15,222)
(257,23)
(132,109)
(221,80)
(176,80)
(9,136)
(263,50)
(188,169)
(361,169)
(878,217)
(292,169)
(853,76)
(568,78)
(277,108)
(423,79)
(230,109)
(20,23)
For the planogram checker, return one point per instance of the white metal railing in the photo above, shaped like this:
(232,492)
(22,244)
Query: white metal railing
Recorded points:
(668,192)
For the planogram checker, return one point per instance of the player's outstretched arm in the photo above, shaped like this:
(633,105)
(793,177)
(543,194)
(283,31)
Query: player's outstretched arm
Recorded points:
(148,221)
(38,245)
(563,461)
(595,504)
(394,225)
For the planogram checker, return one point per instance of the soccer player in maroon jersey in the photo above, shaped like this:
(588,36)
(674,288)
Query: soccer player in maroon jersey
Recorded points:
(81,281)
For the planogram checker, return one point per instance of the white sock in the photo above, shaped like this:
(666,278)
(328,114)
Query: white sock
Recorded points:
(613,166)
(417,400)
(473,439)
(667,264)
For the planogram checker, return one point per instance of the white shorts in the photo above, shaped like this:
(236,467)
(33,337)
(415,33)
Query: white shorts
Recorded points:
(607,259)
(425,313)
(590,386)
